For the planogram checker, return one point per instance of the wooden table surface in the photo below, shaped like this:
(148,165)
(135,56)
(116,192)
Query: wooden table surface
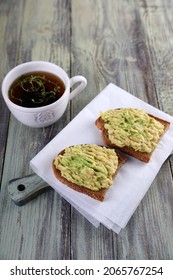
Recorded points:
(128,43)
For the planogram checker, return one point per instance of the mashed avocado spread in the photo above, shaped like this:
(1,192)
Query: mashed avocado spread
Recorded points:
(133,128)
(89,165)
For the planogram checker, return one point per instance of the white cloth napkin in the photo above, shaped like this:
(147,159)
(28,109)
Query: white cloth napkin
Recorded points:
(134,178)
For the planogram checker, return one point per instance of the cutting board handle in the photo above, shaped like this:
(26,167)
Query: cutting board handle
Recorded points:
(22,190)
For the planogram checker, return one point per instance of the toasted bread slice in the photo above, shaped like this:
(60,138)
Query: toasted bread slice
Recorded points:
(99,194)
(143,156)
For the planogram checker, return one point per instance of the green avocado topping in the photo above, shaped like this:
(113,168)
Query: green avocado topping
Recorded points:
(90,166)
(132,128)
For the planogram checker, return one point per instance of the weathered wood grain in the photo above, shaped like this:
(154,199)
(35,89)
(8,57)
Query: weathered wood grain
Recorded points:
(113,45)
(39,230)
(128,43)
(23,190)
(10,30)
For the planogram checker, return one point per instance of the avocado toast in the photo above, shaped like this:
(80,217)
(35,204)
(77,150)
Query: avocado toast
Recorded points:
(88,168)
(132,131)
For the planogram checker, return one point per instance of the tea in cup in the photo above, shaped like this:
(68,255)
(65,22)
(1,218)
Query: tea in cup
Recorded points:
(37,92)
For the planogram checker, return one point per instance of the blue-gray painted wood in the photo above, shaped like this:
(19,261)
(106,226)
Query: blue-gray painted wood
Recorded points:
(128,43)
(23,190)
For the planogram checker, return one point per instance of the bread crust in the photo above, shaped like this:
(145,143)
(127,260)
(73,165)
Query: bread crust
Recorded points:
(98,195)
(143,156)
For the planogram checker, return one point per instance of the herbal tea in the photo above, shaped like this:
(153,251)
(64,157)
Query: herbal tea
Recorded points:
(36,89)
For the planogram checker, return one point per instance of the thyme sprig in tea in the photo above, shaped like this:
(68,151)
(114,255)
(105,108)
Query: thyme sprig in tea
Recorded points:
(36,89)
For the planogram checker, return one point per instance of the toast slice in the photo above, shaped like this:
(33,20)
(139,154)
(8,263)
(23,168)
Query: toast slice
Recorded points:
(96,194)
(141,155)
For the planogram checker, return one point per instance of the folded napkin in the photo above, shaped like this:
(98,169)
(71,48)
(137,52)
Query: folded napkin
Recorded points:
(129,186)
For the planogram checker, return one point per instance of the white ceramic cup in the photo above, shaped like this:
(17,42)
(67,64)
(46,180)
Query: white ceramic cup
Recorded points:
(45,115)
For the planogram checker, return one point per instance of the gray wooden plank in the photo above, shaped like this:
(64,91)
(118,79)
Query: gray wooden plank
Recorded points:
(87,242)
(157,18)
(113,46)
(153,228)
(40,229)
(10,30)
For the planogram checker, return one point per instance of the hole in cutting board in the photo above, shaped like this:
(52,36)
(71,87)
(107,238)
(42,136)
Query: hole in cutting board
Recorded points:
(21,187)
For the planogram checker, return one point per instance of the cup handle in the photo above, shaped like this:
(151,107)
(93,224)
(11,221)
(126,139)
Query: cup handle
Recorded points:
(80,87)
